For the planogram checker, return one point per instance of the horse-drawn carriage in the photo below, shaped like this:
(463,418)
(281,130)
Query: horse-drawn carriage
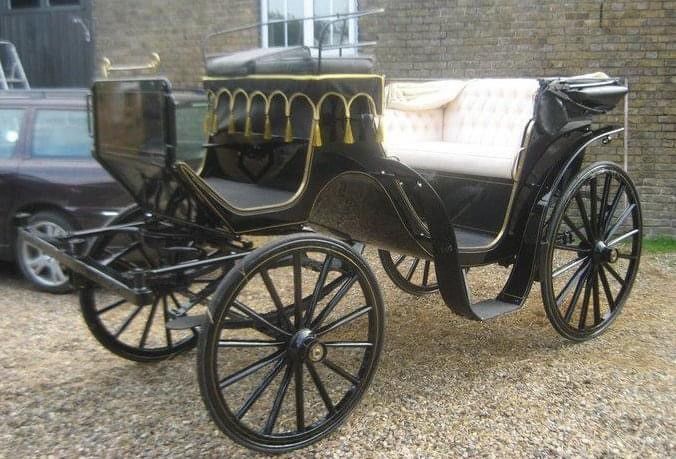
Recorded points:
(440,176)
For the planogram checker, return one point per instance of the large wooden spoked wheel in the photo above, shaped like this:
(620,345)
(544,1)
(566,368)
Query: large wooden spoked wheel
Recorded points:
(139,333)
(411,274)
(309,351)
(592,252)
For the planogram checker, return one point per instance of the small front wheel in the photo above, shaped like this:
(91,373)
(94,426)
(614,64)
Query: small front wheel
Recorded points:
(592,252)
(293,343)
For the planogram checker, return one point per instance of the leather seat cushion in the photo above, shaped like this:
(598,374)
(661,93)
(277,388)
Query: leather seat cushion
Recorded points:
(456,158)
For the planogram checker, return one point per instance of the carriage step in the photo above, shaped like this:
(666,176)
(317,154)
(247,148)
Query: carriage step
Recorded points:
(186,322)
(490,309)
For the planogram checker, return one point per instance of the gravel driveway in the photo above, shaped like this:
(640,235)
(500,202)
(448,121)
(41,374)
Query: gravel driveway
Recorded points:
(445,386)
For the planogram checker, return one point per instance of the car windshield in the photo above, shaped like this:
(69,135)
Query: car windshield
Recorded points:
(61,134)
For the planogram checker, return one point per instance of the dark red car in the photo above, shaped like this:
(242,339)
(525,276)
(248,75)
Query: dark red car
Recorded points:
(46,169)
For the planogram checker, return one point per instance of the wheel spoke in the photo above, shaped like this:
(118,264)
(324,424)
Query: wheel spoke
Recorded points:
(318,290)
(128,321)
(589,229)
(257,318)
(596,299)
(254,367)
(272,291)
(426,273)
(111,307)
(585,301)
(344,320)
(149,323)
(340,294)
(399,261)
(249,343)
(297,290)
(604,202)
(620,220)
(613,206)
(349,344)
(575,229)
(412,269)
(277,404)
(300,397)
(256,394)
(576,296)
(617,240)
(571,248)
(328,403)
(340,371)
(570,265)
(606,289)
(165,312)
(593,197)
(572,282)
(613,273)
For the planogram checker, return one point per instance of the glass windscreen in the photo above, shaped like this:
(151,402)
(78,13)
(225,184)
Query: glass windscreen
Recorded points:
(130,118)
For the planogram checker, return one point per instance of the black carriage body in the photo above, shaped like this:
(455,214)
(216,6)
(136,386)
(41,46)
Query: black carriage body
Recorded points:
(257,120)
(263,152)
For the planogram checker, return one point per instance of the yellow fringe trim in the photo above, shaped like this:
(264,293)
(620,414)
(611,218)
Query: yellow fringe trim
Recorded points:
(349,137)
(247,127)
(316,134)
(288,132)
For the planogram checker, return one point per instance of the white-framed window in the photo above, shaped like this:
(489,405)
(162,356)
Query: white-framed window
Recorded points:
(307,33)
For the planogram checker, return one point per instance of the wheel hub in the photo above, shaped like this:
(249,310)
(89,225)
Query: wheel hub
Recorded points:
(304,346)
(605,254)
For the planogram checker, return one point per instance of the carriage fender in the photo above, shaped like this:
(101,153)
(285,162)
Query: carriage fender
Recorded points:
(523,274)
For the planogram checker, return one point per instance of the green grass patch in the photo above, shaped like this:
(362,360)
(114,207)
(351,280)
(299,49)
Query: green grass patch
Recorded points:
(660,245)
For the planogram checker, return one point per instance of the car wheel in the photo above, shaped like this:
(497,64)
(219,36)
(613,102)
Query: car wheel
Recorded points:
(43,271)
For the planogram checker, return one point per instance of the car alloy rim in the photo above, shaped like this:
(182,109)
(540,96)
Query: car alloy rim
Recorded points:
(44,269)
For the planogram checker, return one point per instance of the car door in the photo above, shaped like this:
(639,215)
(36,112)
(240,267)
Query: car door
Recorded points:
(12,121)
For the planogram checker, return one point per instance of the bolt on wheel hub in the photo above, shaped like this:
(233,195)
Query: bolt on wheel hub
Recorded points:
(605,254)
(304,346)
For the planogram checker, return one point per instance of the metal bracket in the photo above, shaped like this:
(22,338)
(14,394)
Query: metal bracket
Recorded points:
(154,65)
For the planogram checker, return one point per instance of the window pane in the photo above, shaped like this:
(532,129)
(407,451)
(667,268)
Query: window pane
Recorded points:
(276,31)
(61,134)
(64,2)
(22,4)
(335,32)
(295,29)
(10,131)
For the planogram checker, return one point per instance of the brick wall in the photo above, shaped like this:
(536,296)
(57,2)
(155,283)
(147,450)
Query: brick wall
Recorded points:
(466,39)
(127,31)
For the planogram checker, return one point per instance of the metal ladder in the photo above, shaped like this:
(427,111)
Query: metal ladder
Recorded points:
(12,75)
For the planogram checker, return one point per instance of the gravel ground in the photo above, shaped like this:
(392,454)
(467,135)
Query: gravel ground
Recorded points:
(445,386)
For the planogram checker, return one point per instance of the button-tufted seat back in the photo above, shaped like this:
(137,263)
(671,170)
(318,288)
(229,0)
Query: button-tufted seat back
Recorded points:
(491,112)
(479,133)
(419,125)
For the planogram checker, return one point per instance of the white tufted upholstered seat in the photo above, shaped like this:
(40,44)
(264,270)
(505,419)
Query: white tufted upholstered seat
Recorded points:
(479,133)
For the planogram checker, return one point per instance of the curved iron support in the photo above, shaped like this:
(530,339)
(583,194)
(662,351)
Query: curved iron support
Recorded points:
(523,273)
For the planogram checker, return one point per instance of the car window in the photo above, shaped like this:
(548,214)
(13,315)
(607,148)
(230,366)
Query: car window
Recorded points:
(61,134)
(10,130)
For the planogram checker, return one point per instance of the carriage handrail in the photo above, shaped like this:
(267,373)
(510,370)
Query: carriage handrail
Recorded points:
(338,17)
